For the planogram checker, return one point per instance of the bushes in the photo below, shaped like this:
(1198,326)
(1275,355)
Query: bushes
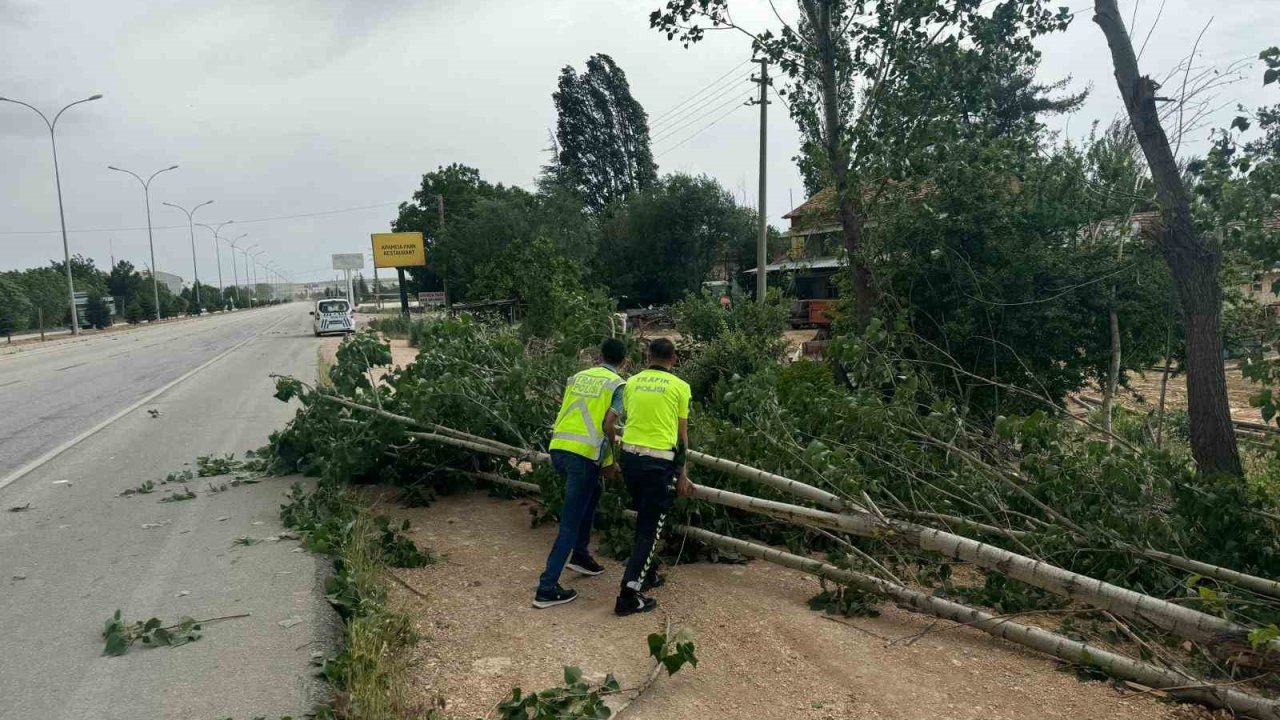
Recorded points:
(15,308)
(882,429)
(724,343)
(96,312)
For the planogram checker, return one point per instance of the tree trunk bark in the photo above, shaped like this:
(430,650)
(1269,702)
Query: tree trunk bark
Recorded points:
(1113,376)
(1049,643)
(1193,261)
(848,194)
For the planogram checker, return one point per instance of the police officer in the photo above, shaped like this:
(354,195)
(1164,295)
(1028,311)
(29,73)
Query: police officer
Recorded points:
(654,442)
(582,443)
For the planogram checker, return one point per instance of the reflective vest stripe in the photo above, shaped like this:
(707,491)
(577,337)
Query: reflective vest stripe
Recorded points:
(577,428)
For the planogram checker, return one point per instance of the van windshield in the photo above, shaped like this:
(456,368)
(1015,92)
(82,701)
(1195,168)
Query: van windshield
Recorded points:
(333,306)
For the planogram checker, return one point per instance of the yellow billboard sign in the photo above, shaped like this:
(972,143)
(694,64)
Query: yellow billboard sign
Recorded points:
(404,249)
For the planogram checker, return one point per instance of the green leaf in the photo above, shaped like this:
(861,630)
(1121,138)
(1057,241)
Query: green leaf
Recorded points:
(572,675)
(117,644)
(657,643)
(1240,123)
(1271,76)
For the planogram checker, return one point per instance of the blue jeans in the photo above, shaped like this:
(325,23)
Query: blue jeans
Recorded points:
(581,495)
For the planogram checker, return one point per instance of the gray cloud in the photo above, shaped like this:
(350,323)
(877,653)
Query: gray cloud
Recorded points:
(294,107)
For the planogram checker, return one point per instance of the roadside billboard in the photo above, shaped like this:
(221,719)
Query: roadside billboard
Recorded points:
(348,261)
(398,250)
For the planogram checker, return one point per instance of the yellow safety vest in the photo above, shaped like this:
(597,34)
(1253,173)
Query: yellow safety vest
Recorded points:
(654,402)
(579,427)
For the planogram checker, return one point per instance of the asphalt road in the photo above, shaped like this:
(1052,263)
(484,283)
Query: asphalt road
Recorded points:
(80,551)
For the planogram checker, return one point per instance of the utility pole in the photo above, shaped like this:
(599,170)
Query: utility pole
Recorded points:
(762,246)
(439,229)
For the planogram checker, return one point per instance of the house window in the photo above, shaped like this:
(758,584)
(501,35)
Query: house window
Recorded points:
(1257,283)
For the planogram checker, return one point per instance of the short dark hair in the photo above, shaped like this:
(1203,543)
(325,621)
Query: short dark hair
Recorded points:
(662,349)
(613,351)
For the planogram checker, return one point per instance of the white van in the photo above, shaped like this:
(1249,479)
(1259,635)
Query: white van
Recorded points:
(333,315)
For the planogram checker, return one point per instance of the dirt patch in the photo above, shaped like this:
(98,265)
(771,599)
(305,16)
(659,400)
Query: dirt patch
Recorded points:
(1143,393)
(402,353)
(763,654)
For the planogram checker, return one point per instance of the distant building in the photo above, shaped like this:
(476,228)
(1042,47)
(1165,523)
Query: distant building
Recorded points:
(807,272)
(171,281)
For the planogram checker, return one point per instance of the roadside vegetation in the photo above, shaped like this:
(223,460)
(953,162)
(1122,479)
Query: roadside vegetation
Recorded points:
(930,458)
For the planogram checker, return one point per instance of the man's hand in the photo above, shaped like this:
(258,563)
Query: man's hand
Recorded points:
(684,488)
(611,472)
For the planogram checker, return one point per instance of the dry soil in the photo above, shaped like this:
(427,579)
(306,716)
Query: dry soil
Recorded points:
(763,654)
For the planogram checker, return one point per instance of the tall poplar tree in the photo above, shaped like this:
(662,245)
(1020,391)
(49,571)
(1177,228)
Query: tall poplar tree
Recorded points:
(602,133)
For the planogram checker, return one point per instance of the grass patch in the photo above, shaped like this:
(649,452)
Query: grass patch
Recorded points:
(370,675)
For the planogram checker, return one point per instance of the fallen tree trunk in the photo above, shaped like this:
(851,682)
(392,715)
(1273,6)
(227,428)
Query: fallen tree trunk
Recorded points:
(1043,641)
(1182,621)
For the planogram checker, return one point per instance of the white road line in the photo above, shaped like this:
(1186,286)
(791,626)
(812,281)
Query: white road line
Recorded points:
(35,464)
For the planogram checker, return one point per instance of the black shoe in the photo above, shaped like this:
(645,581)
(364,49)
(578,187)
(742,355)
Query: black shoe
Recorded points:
(653,580)
(630,602)
(585,566)
(558,596)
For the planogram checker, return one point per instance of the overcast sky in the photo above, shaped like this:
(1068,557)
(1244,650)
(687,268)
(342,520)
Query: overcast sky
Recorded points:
(299,107)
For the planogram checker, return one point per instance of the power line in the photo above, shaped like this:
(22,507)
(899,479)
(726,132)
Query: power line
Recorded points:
(663,137)
(731,86)
(179,227)
(706,127)
(696,94)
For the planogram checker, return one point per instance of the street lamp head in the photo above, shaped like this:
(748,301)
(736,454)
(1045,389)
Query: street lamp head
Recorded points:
(113,167)
(172,167)
(94,97)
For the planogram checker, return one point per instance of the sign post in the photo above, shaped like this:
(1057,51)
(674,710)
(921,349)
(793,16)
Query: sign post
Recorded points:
(399,250)
(346,262)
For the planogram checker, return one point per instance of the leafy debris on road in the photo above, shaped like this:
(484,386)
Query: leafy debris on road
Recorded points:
(154,413)
(290,622)
(246,541)
(143,489)
(154,525)
(178,496)
(120,636)
(20,508)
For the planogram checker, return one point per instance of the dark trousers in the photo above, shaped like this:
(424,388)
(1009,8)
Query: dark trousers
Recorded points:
(652,485)
(581,495)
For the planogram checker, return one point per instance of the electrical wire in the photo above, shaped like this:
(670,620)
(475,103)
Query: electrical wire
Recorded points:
(183,227)
(706,127)
(675,120)
(684,102)
(663,137)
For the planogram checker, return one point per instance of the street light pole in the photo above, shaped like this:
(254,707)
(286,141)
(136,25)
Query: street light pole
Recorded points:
(253,292)
(235,273)
(191,228)
(146,192)
(57,179)
(217,249)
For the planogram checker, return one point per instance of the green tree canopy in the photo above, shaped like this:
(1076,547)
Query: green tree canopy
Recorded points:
(602,133)
(662,243)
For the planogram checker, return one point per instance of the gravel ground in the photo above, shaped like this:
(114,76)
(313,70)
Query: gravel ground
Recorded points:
(763,654)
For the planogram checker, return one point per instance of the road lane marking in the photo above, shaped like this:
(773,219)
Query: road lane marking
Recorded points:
(71,366)
(35,464)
